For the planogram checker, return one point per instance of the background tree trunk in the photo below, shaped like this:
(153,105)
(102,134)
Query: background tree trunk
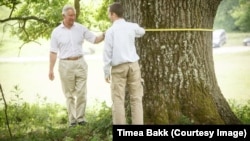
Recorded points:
(77,7)
(177,66)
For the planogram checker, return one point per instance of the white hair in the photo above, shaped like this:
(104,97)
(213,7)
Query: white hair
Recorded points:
(66,8)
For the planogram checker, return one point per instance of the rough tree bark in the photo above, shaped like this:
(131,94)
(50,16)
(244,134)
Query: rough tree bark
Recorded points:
(177,66)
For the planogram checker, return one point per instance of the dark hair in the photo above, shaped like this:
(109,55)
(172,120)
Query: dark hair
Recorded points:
(116,8)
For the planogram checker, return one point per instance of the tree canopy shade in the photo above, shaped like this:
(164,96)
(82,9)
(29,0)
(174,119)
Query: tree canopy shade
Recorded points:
(177,66)
(31,20)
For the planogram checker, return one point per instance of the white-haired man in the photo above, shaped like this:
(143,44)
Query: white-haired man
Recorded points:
(66,45)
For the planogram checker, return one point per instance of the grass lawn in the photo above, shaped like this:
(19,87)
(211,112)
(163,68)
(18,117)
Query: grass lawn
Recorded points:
(235,39)
(32,78)
(30,73)
(233,75)
(232,71)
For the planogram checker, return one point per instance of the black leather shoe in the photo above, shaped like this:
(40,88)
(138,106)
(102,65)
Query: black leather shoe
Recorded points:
(72,124)
(82,123)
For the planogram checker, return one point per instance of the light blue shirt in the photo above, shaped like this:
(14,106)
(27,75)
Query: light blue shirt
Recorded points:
(119,44)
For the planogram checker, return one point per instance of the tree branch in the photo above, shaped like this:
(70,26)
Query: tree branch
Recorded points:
(5,111)
(25,19)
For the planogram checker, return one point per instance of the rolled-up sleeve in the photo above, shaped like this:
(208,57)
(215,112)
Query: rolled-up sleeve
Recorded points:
(89,36)
(53,43)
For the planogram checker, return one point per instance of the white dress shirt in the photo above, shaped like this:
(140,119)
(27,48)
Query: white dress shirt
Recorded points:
(119,46)
(68,42)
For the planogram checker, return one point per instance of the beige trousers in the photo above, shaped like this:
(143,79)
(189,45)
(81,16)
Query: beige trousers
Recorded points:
(73,74)
(127,74)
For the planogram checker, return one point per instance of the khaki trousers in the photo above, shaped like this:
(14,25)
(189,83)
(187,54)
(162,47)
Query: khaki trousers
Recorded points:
(127,74)
(73,74)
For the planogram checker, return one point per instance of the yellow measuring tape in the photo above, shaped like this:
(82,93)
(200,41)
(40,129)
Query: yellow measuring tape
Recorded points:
(179,29)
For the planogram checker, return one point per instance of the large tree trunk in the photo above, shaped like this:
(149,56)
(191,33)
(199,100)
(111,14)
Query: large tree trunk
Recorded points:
(177,66)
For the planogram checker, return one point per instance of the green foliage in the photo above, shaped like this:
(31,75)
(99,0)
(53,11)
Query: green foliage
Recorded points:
(100,119)
(43,17)
(34,19)
(233,15)
(45,121)
(102,15)
(9,3)
(242,111)
(25,118)
(88,18)
(242,16)
(223,17)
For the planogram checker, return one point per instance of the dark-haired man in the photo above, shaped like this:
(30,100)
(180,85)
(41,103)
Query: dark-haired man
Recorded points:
(121,65)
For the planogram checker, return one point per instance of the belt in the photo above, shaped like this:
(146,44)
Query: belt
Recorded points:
(72,58)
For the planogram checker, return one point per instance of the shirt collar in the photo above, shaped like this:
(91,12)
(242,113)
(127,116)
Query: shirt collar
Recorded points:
(63,26)
(119,21)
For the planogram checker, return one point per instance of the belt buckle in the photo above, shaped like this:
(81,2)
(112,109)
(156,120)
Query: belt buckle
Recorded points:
(76,58)
(72,58)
